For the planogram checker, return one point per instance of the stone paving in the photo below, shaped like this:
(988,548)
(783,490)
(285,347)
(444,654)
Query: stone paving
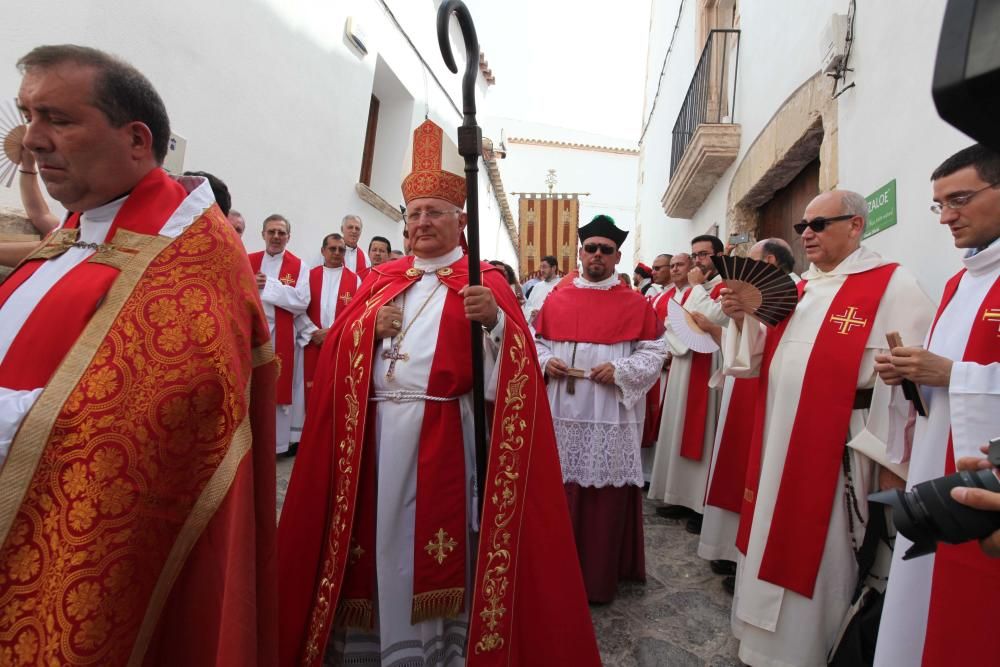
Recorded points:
(679,618)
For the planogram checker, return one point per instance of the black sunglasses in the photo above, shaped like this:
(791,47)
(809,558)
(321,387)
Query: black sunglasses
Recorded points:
(592,248)
(818,224)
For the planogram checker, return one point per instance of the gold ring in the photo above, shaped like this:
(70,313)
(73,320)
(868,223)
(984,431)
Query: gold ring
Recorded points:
(397,323)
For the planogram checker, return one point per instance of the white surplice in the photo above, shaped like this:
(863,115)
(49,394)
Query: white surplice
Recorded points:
(599,427)
(351,258)
(397,434)
(328,302)
(969,408)
(94,227)
(778,627)
(295,300)
(677,480)
(539,292)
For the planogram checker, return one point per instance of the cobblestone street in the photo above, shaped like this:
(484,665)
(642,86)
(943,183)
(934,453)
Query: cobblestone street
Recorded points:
(679,618)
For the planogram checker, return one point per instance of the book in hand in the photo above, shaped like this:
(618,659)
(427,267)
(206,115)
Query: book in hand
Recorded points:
(766,292)
(910,389)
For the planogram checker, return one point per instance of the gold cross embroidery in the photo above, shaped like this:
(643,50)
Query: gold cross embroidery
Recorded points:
(356,553)
(437,550)
(847,320)
(288,279)
(992,315)
(346,299)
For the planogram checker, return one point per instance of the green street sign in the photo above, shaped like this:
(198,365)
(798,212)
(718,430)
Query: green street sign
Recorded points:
(881,209)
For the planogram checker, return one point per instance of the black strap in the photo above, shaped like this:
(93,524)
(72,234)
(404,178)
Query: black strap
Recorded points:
(875,531)
(863,399)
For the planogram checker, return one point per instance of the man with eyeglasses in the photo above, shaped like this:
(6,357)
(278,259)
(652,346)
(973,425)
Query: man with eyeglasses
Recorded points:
(687,429)
(601,347)
(548,277)
(381,540)
(283,281)
(955,591)
(814,447)
(331,287)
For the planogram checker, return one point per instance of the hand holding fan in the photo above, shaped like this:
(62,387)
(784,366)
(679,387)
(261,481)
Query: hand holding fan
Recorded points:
(767,292)
(683,326)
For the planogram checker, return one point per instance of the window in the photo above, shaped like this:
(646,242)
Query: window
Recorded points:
(369,154)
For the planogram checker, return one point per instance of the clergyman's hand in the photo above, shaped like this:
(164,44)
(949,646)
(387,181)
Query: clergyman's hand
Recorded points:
(556,368)
(708,326)
(388,321)
(603,373)
(261,280)
(480,306)
(696,276)
(317,337)
(921,366)
(732,306)
(886,371)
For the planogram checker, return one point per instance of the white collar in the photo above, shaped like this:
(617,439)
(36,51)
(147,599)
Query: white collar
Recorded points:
(104,214)
(859,261)
(605,284)
(334,269)
(429,264)
(984,261)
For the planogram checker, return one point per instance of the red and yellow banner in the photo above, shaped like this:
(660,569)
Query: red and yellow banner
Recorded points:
(548,224)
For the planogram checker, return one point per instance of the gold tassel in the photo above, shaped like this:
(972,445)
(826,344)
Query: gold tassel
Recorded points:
(355,614)
(444,603)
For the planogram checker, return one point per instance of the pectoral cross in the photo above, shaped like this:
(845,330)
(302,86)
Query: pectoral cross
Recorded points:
(394,355)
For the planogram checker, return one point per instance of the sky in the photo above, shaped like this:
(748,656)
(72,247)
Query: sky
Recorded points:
(576,64)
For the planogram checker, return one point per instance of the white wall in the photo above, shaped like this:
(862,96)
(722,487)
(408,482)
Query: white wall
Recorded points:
(610,178)
(269,95)
(888,127)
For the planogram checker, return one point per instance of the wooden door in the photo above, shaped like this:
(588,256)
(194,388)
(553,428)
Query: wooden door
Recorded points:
(785,209)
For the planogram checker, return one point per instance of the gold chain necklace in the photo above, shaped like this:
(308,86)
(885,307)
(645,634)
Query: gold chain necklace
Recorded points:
(393,354)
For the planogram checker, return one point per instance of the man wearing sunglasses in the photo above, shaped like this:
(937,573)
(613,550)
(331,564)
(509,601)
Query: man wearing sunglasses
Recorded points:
(600,344)
(800,523)
(331,287)
(958,368)
(687,429)
(381,533)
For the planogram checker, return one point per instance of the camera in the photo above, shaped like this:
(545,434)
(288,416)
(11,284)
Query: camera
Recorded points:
(736,239)
(927,514)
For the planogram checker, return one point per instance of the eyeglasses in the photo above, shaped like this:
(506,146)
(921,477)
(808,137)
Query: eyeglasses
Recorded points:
(958,201)
(432,214)
(702,254)
(818,224)
(592,248)
(336,248)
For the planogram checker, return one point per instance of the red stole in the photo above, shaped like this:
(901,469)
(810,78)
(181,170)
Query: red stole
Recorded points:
(730,470)
(696,406)
(345,291)
(603,316)
(40,346)
(284,324)
(361,268)
(808,486)
(966,583)
(654,408)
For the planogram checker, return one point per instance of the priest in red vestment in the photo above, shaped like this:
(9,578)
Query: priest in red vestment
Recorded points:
(817,434)
(384,554)
(599,326)
(283,281)
(935,601)
(136,394)
(331,287)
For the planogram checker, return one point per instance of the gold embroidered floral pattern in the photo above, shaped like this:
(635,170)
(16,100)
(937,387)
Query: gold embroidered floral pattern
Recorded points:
(141,434)
(495,582)
(442,545)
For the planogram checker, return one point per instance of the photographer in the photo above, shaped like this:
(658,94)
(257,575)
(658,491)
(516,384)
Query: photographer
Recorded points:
(955,592)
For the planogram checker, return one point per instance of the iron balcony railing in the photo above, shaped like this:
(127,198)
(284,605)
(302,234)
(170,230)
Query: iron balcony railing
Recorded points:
(711,97)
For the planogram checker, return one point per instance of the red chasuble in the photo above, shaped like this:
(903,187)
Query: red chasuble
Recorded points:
(798,530)
(603,316)
(528,604)
(137,514)
(348,285)
(966,583)
(284,324)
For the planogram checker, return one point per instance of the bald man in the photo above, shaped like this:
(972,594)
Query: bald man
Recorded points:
(803,511)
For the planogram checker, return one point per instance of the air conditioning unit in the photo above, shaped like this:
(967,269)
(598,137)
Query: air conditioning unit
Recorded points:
(833,44)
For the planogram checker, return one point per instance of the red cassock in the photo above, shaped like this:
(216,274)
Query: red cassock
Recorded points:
(527,606)
(137,515)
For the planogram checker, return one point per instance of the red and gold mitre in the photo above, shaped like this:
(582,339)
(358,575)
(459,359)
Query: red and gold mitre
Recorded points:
(434,155)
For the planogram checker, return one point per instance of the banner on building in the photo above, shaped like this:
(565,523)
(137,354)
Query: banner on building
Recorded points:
(548,224)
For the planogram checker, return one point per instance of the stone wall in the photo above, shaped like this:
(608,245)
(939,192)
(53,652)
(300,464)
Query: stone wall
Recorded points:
(14,226)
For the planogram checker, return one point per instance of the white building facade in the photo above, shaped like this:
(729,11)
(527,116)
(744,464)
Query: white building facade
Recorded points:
(775,129)
(275,98)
